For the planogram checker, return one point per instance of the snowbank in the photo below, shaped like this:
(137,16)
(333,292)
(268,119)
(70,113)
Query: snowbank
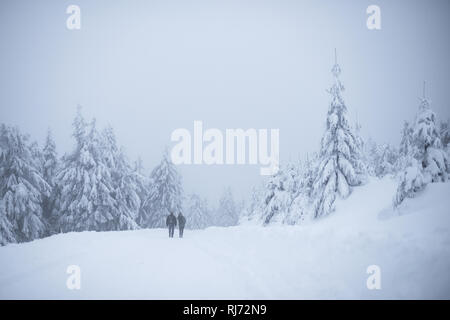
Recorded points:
(325,259)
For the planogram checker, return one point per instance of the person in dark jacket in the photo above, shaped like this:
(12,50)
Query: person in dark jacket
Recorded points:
(181,224)
(171,222)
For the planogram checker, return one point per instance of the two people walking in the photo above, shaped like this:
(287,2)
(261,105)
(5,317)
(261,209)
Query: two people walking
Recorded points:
(171,222)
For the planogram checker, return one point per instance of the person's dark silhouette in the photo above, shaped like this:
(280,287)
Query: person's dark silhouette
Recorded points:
(181,224)
(171,222)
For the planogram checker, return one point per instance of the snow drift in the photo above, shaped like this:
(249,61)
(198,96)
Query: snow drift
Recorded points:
(325,259)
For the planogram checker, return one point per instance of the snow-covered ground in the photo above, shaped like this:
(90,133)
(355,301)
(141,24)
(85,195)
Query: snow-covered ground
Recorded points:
(326,259)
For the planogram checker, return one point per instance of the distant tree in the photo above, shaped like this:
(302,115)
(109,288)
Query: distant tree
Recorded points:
(226,214)
(197,213)
(7,233)
(278,196)
(411,181)
(386,161)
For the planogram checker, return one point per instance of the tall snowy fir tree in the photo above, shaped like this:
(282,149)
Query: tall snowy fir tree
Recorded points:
(339,157)
(22,188)
(427,161)
(197,213)
(429,149)
(86,201)
(165,195)
(226,214)
(6,228)
(126,183)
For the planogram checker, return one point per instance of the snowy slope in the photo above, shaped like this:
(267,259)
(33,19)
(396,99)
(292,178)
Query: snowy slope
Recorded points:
(325,259)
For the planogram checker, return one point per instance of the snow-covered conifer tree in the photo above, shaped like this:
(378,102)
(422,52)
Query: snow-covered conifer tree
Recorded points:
(406,140)
(255,204)
(308,174)
(445,134)
(126,183)
(278,197)
(85,200)
(226,214)
(197,213)
(426,139)
(411,181)
(6,228)
(427,161)
(165,194)
(339,157)
(386,160)
(405,149)
(22,188)
(49,171)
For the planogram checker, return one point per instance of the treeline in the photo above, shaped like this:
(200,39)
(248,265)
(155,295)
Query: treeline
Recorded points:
(308,189)
(95,187)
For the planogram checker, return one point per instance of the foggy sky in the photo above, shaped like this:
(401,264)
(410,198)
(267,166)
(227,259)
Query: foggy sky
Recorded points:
(150,67)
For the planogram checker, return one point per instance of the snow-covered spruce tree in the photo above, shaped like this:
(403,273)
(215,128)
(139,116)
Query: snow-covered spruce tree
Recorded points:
(405,148)
(226,213)
(85,200)
(386,161)
(427,161)
(197,213)
(254,206)
(428,146)
(339,157)
(309,174)
(6,228)
(300,205)
(141,180)
(126,183)
(406,140)
(371,149)
(362,163)
(49,171)
(278,196)
(22,188)
(445,134)
(165,194)
(411,180)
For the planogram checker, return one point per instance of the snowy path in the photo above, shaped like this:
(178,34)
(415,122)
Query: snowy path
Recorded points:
(326,259)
